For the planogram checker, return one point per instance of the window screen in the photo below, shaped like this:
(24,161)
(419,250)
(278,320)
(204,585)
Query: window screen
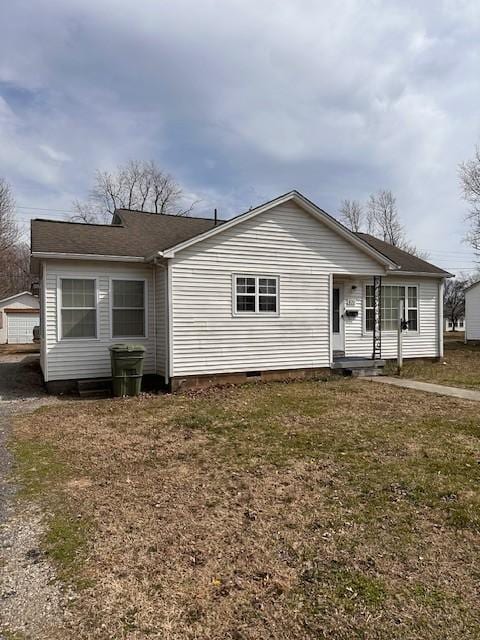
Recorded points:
(78,310)
(128,308)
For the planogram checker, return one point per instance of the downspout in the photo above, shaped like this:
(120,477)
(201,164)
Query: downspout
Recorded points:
(330,321)
(169,319)
(43,333)
(155,315)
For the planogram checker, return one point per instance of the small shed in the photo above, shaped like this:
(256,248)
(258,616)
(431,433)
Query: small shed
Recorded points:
(18,315)
(472,312)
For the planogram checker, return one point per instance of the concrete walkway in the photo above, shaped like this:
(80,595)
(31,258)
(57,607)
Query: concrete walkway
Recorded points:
(428,387)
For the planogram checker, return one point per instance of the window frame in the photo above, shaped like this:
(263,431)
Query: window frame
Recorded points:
(405,310)
(145,308)
(60,307)
(256,295)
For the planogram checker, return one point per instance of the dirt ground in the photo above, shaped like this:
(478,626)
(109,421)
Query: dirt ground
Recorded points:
(328,509)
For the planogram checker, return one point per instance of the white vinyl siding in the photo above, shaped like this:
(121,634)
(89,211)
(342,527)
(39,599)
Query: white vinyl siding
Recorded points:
(416,344)
(472,313)
(284,242)
(90,358)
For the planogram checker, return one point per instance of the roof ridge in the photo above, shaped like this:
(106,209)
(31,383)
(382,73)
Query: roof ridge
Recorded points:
(107,225)
(170,215)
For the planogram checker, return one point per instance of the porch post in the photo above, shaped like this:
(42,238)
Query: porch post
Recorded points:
(377,317)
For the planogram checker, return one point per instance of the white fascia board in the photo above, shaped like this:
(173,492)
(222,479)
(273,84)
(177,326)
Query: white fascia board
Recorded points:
(304,204)
(86,256)
(425,274)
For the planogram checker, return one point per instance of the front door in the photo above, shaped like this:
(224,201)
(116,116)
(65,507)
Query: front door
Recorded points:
(337,319)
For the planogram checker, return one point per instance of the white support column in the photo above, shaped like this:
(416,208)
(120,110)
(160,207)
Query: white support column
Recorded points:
(330,317)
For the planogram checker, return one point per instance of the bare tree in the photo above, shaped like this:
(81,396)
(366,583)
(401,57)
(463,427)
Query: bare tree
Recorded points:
(470,184)
(15,270)
(137,185)
(383,219)
(352,214)
(454,298)
(9,231)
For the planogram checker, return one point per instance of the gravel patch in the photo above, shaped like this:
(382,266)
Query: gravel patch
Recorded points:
(33,603)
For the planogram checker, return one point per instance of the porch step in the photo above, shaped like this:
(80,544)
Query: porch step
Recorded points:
(95,388)
(358,366)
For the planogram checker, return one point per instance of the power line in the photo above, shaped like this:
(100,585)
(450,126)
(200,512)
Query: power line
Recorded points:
(18,206)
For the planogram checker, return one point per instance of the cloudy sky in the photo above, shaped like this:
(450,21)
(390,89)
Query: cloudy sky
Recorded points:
(242,100)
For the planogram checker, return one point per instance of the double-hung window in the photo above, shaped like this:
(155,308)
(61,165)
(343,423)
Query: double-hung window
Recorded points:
(255,294)
(78,310)
(128,308)
(391,297)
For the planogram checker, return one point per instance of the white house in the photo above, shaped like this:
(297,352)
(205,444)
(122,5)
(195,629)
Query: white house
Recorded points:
(472,312)
(18,315)
(281,288)
(459,325)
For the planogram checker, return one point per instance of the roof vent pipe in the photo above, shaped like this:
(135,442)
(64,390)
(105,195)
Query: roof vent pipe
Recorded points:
(215,219)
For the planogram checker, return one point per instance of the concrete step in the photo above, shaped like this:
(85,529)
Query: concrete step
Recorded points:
(95,388)
(358,366)
(94,393)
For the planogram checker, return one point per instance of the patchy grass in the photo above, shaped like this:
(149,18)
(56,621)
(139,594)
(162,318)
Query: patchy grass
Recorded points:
(42,474)
(460,366)
(337,509)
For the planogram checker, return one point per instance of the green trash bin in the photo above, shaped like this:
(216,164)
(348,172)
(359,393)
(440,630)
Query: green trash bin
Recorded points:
(127,369)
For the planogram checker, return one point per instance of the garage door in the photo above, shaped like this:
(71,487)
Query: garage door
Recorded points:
(20,327)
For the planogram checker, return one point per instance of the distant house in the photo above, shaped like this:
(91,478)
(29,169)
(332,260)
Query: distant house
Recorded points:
(472,312)
(18,315)
(458,325)
(283,288)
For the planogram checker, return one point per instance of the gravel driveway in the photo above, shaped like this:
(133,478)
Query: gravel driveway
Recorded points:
(31,602)
(20,389)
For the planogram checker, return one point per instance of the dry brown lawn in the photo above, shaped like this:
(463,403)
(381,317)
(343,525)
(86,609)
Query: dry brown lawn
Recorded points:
(460,366)
(330,509)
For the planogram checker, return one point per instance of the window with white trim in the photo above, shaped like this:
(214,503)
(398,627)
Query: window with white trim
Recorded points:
(391,297)
(128,308)
(255,294)
(78,310)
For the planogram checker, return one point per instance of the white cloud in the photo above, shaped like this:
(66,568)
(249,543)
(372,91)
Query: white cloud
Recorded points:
(243,99)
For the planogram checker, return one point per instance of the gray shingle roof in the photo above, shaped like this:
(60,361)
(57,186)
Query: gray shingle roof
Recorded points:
(406,261)
(141,234)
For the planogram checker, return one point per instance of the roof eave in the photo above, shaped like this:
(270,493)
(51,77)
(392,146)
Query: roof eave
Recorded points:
(47,255)
(427,274)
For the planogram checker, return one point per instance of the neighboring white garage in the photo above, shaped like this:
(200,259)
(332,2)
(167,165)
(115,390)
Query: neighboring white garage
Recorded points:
(472,312)
(18,315)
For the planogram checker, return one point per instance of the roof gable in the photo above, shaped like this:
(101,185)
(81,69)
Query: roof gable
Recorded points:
(17,295)
(304,204)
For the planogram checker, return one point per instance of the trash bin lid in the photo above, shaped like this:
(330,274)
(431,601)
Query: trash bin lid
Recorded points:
(127,347)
